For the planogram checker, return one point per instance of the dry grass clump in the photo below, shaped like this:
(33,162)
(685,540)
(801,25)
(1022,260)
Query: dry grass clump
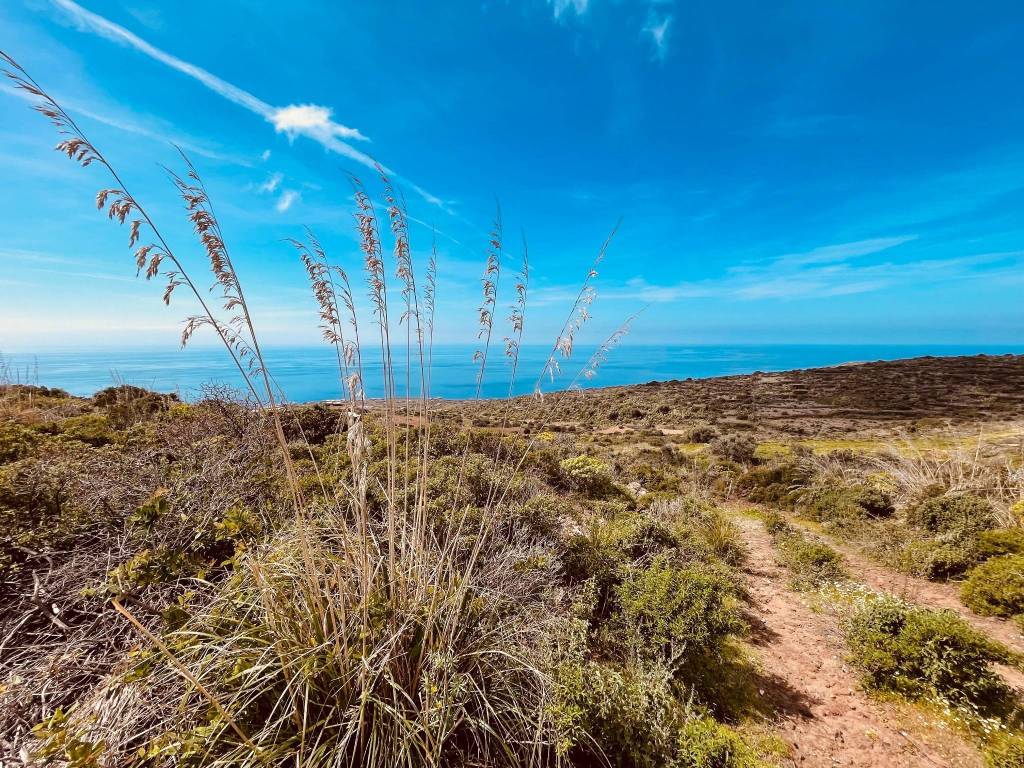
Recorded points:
(345,664)
(359,598)
(136,516)
(916,474)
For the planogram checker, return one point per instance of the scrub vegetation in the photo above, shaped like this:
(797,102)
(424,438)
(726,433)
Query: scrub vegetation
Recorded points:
(562,579)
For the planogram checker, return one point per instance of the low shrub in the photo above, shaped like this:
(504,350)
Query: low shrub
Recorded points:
(16,442)
(996,587)
(1004,541)
(541,515)
(126,405)
(607,548)
(586,474)
(811,563)
(90,428)
(631,716)
(705,743)
(674,615)
(920,652)
(875,501)
(776,524)
(702,433)
(778,485)
(843,506)
(313,424)
(735,447)
(1005,750)
(948,558)
(962,514)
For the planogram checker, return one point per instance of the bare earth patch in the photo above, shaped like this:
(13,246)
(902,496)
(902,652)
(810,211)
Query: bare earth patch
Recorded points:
(827,719)
(927,593)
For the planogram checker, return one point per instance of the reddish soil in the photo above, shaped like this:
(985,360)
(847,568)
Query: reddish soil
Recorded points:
(825,717)
(931,594)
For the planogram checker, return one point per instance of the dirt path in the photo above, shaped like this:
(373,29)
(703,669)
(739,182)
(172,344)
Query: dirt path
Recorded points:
(826,718)
(922,592)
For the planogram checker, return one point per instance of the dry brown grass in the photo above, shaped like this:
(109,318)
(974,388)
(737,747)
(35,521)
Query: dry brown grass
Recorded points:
(366,630)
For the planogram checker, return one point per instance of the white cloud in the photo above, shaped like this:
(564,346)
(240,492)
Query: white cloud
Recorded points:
(311,120)
(272,183)
(658,30)
(287,199)
(307,120)
(561,6)
(265,156)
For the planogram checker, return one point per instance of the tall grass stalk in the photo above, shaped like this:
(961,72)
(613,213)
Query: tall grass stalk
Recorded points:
(370,631)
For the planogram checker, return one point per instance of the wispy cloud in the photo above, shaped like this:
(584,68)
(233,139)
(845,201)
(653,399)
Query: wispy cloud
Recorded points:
(559,7)
(272,183)
(309,120)
(34,257)
(286,200)
(832,253)
(657,29)
(825,272)
(132,125)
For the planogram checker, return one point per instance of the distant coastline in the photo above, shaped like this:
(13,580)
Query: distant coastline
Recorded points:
(309,374)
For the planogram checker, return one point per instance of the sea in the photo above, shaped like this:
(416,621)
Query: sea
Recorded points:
(307,374)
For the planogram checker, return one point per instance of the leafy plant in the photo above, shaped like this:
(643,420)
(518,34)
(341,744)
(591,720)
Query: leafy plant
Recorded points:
(921,652)
(996,587)
(674,615)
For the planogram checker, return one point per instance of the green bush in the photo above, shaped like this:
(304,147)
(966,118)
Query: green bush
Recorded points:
(874,501)
(811,563)
(541,515)
(706,743)
(313,424)
(996,587)
(673,615)
(776,524)
(159,565)
(702,433)
(778,485)
(957,534)
(36,510)
(1005,750)
(1004,541)
(631,716)
(607,546)
(90,428)
(950,558)
(642,536)
(920,652)
(16,442)
(963,514)
(842,505)
(617,714)
(126,405)
(586,474)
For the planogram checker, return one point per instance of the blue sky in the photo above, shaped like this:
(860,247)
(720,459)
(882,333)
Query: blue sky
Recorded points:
(785,172)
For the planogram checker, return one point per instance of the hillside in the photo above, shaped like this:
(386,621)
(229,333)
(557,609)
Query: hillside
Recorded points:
(740,572)
(853,398)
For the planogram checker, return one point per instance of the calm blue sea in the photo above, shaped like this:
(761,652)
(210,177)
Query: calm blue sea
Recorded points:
(307,374)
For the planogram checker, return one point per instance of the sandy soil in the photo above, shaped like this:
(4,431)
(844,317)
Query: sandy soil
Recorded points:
(924,592)
(824,716)
(932,595)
